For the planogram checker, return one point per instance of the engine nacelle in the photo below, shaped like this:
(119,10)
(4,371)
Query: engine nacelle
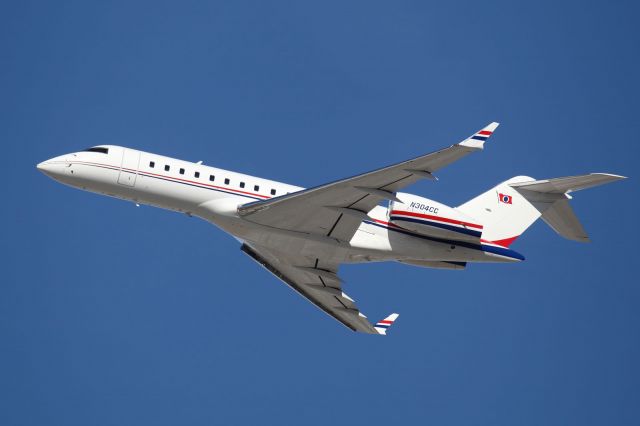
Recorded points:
(433,219)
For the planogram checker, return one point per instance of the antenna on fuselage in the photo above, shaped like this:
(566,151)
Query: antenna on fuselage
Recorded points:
(199,162)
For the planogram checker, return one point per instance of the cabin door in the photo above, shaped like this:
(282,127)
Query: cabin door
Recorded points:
(129,167)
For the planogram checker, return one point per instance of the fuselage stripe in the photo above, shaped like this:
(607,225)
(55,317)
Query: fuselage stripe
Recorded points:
(178,180)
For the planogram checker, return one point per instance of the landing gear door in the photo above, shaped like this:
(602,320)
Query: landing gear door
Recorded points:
(129,167)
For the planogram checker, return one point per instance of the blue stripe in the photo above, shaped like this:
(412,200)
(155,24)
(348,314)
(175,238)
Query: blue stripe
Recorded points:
(502,251)
(439,225)
(383,325)
(480,138)
(506,252)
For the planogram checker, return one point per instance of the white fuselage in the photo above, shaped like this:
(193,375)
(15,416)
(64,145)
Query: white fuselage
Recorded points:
(214,195)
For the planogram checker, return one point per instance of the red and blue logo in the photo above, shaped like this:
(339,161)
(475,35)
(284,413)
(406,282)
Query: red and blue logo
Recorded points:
(504,198)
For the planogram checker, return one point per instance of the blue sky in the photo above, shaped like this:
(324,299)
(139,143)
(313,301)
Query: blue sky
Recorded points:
(112,314)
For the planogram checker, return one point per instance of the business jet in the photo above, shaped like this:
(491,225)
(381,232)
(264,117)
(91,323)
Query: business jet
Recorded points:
(303,235)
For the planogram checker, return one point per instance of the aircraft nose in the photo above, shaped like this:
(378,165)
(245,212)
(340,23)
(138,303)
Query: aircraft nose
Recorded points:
(43,166)
(54,167)
(49,167)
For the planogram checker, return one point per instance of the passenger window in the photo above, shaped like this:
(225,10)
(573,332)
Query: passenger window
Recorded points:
(166,167)
(196,174)
(226,181)
(181,171)
(273,192)
(212,178)
(256,188)
(241,184)
(152,164)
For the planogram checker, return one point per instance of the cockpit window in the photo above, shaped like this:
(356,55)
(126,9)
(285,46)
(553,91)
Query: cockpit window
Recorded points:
(98,149)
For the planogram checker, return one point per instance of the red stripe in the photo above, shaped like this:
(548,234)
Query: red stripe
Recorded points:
(485,132)
(506,242)
(437,218)
(385,322)
(206,184)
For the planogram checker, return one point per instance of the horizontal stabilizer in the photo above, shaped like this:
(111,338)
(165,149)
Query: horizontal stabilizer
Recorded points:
(567,184)
(551,198)
(561,218)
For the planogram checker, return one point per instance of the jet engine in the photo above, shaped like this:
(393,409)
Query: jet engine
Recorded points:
(433,219)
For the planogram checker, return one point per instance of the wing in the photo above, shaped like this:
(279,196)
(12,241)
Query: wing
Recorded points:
(319,283)
(336,209)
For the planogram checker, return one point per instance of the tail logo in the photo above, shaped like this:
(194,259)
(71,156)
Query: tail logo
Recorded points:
(504,198)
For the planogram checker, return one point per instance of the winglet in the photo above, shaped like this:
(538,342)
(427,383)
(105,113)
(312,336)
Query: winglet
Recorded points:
(382,325)
(478,138)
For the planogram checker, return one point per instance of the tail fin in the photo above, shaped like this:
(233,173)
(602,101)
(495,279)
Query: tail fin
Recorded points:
(382,325)
(507,210)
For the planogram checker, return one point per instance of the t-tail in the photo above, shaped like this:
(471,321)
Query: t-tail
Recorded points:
(507,210)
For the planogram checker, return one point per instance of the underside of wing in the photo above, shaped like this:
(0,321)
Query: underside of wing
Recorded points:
(318,282)
(337,209)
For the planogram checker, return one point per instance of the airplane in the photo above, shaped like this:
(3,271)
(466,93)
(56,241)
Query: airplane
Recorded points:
(302,236)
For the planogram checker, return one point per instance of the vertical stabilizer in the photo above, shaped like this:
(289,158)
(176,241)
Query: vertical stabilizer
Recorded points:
(503,212)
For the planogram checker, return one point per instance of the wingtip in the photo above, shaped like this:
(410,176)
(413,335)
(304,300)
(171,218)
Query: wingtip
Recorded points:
(478,139)
(383,325)
(612,176)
